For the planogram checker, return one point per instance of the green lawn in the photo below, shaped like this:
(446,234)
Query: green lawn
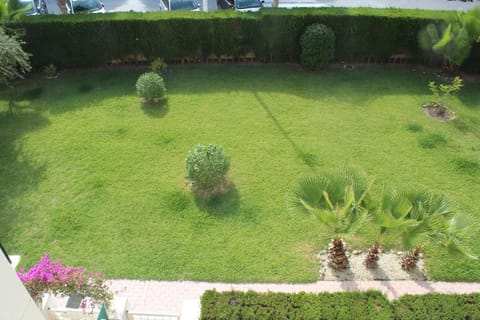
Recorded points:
(94,178)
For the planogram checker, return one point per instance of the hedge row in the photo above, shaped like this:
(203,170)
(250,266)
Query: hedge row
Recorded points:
(252,305)
(345,305)
(272,34)
(438,306)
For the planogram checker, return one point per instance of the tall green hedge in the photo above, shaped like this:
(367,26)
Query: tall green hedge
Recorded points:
(273,34)
(344,305)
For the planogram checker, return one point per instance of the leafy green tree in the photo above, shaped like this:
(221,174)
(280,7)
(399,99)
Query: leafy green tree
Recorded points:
(422,218)
(14,62)
(453,42)
(340,201)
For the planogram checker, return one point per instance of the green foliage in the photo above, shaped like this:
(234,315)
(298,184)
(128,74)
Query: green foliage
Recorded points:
(454,42)
(50,71)
(273,35)
(150,86)
(253,305)
(14,62)
(207,165)
(159,66)
(447,89)
(438,306)
(432,140)
(318,46)
(339,200)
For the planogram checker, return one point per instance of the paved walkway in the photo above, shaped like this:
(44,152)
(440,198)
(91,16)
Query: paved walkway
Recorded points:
(168,296)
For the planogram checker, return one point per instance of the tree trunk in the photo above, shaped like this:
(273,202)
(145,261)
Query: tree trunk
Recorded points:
(371,260)
(410,259)
(337,257)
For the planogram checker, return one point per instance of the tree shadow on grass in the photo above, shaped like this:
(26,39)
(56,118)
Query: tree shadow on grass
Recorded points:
(19,172)
(156,110)
(220,205)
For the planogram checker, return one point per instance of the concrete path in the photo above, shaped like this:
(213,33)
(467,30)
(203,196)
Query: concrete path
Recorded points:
(168,296)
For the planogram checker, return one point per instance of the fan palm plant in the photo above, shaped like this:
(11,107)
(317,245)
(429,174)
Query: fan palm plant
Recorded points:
(420,218)
(340,202)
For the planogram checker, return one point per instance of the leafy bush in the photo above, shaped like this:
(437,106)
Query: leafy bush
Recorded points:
(159,66)
(438,306)
(50,71)
(318,46)
(150,86)
(207,165)
(253,305)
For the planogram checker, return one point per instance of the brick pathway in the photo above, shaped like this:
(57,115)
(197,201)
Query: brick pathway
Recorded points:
(168,296)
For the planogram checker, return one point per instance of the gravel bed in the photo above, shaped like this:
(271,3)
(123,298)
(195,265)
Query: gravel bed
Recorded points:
(388,268)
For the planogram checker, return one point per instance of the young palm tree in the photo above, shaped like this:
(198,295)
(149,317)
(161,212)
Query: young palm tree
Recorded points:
(422,218)
(340,202)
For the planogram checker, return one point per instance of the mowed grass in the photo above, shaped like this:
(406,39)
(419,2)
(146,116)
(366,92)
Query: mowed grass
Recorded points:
(90,175)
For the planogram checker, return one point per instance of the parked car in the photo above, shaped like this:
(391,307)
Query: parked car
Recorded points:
(32,8)
(85,6)
(240,5)
(173,5)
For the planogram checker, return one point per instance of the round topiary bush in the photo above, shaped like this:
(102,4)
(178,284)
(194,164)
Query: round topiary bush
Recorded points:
(318,46)
(150,87)
(207,166)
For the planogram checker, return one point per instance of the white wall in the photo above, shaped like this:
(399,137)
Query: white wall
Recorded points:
(15,302)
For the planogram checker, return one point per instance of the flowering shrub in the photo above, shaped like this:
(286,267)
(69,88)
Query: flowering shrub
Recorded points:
(52,277)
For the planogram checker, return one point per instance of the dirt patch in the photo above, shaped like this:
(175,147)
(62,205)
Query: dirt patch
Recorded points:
(438,112)
(388,269)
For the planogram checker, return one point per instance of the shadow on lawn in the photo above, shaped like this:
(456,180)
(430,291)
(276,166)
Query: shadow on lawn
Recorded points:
(19,172)
(156,110)
(221,205)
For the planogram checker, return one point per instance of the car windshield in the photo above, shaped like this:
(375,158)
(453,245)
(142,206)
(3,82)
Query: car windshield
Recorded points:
(86,5)
(242,4)
(25,3)
(183,5)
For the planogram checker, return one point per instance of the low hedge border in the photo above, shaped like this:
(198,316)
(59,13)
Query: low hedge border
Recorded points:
(343,305)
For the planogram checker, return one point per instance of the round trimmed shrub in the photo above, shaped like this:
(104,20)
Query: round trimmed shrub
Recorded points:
(150,86)
(318,46)
(207,165)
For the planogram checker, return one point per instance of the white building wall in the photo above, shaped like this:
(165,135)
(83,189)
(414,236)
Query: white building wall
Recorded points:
(15,302)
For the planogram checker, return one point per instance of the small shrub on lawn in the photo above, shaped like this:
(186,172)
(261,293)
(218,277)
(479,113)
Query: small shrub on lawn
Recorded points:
(438,306)
(50,71)
(159,66)
(432,140)
(150,87)
(318,46)
(207,166)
